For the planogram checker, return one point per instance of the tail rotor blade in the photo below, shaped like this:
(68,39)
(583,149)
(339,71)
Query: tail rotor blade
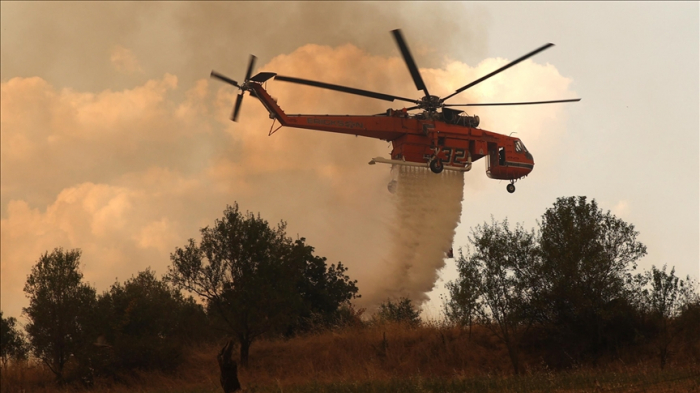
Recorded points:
(237,108)
(249,72)
(251,64)
(412,68)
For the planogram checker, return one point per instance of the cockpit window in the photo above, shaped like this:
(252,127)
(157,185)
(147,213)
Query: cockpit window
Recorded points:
(519,147)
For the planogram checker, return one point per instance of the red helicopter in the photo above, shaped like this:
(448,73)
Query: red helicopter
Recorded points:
(437,137)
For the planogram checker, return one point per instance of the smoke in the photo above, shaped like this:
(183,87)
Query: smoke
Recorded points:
(71,45)
(129,173)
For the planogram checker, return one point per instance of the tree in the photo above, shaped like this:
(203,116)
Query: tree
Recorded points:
(688,322)
(60,309)
(463,304)
(586,260)
(495,283)
(12,344)
(399,311)
(664,298)
(254,279)
(146,323)
(323,289)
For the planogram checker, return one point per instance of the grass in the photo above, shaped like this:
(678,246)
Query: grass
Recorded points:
(389,358)
(685,381)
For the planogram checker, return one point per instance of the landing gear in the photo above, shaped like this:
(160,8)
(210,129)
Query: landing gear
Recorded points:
(511,188)
(436,165)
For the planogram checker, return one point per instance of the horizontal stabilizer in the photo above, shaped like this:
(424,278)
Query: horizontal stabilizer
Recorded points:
(262,76)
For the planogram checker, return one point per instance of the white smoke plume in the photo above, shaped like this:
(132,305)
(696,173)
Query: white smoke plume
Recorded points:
(129,175)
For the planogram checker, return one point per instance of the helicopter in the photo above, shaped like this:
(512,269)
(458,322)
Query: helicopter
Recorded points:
(437,137)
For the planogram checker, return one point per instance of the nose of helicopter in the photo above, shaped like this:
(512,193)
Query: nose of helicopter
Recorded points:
(528,155)
(524,168)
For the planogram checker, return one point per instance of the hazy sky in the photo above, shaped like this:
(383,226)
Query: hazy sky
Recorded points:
(115,141)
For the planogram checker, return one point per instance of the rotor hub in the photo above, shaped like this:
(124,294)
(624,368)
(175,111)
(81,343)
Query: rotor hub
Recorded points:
(431,103)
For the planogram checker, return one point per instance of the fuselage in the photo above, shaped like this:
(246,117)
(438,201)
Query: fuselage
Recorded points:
(419,138)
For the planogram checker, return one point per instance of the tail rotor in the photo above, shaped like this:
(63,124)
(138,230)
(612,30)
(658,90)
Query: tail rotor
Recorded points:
(243,87)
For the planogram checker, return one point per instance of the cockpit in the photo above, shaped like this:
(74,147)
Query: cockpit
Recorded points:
(520,148)
(508,161)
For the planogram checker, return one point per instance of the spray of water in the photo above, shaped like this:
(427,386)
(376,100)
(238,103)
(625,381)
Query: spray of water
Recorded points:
(428,208)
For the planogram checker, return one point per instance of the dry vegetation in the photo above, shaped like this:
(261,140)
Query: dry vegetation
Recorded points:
(390,358)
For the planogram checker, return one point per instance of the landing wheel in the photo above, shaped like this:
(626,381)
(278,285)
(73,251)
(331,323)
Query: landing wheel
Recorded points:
(436,165)
(510,188)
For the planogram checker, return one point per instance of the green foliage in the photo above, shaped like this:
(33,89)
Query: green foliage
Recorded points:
(146,323)
(586,260)
(688,322)
(323,289)
(495,283)
(463,304)
(12,344)
(349,316)
(663,295)
(255,279)
(663,298)
(570,285)
(399,311)
(60,309)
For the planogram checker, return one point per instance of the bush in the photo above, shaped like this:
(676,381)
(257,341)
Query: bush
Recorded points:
(146,323)
(12,344)
(401,311)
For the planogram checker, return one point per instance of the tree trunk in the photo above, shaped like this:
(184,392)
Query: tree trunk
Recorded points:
(663,350)
(513,354)
(245,349)
(55,370)
(228,368)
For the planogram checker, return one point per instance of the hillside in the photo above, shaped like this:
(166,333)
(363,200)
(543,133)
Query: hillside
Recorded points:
(392,358)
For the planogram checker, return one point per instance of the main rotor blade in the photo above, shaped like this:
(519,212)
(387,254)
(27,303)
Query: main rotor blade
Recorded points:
(344,89)
(237,108)
(517,103)
(412,68)
(505,67)
(220,77)
(251,64)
